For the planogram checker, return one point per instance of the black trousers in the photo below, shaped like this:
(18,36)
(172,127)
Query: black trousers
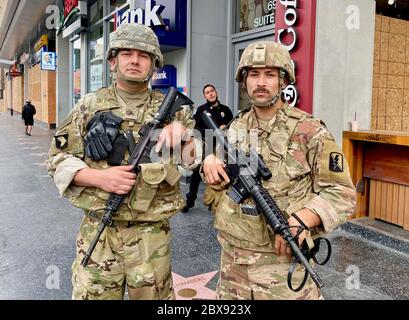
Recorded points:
(195,180)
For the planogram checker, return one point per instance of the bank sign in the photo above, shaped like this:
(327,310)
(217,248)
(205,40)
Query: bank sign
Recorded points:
(167,18)
(164,77)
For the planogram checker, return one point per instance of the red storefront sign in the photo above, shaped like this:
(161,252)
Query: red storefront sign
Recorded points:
(69,5)
(15,71)
(295,28)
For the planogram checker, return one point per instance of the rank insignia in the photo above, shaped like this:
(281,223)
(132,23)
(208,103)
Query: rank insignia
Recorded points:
(336,162)
(61,141)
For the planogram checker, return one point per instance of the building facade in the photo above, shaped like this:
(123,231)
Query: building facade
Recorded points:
(337,49)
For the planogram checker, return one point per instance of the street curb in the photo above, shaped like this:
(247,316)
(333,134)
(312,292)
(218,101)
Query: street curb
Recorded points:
(372,231)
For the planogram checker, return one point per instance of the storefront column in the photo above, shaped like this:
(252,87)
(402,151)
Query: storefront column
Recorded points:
(208,48)
(84,65)
(344,63)
(63,78)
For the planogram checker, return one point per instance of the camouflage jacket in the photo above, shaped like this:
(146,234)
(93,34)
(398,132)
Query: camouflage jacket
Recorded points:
(308,171)
(156,195)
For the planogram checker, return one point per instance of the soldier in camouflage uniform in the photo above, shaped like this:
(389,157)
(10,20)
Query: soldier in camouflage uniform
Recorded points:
(310,181)
(134,253)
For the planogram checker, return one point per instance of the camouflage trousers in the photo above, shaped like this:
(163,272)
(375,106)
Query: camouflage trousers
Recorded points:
(264,279)
(137,257)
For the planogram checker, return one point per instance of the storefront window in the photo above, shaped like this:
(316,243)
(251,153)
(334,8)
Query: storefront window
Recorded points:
(116,4)
(255,14)
(96,59)
(95,11)
(76,64)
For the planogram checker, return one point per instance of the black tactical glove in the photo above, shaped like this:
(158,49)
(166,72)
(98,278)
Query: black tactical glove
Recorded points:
(102,131)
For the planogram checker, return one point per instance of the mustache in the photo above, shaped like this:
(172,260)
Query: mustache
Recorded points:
(261,91)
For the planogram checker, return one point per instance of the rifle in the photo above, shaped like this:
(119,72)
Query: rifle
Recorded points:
(246,173)
(171,104)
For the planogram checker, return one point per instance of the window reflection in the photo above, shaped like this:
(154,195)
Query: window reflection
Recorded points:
(95,11)
(96,52)
(256,14)
(244,101)
(116,4)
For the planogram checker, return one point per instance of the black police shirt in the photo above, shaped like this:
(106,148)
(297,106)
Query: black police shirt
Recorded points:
(221,114)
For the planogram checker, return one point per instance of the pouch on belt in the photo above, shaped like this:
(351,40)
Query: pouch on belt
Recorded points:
(146,186)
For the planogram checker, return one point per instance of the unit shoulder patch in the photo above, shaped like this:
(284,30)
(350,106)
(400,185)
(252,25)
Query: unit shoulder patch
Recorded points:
(336,162)
(61,141)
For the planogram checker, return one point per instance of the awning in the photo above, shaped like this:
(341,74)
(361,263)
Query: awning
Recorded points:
(19,24)
(5,63)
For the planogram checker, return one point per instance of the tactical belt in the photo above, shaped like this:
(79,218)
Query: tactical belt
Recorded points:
(115,223)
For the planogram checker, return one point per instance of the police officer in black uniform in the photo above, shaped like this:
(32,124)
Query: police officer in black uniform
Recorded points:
(222,115)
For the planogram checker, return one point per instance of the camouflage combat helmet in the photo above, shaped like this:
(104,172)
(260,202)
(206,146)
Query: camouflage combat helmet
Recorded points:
(262,54)
(136,36)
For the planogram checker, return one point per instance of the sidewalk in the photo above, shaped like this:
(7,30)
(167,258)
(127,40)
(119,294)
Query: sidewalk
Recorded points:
(38,230)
